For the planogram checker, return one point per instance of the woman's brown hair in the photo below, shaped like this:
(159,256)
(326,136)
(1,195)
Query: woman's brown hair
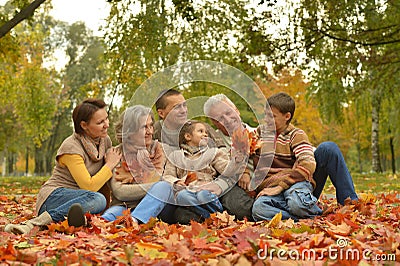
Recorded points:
(84,112)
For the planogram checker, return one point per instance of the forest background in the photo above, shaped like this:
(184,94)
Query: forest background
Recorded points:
(339,60)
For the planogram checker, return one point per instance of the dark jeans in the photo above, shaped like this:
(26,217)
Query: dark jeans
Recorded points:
(330,162)
(236,202)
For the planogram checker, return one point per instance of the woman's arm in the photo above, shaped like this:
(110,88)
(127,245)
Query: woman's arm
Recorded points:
(128,192)
(79,172)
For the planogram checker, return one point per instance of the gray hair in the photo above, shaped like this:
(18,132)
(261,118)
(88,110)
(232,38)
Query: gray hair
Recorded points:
(215,99)
(129,120)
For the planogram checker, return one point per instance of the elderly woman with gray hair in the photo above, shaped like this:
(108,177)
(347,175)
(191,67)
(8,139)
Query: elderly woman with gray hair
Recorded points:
(135,184)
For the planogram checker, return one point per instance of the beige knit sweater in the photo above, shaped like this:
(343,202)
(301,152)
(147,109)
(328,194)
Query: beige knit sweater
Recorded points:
(61,177)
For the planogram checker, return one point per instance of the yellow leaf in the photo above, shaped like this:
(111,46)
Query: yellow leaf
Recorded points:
(151,251)
(367,197)
(275,220)
(113,236)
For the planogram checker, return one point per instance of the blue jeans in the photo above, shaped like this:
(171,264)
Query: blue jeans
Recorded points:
(204,202)
(295,202)
(330,162)
(152,205)
(61,199)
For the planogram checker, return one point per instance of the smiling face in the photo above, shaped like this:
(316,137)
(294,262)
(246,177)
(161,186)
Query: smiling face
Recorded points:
(144,135)
(225,117)
(175,112)
(197,136)
(97,125)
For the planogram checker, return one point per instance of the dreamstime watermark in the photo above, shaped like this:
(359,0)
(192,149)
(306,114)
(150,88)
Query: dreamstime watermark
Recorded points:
(337,252)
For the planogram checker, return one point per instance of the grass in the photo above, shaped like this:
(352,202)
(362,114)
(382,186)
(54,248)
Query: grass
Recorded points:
(19,185)
(364,183)
(371,183)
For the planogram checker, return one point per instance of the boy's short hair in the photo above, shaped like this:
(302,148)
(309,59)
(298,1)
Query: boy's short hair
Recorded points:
(283,102)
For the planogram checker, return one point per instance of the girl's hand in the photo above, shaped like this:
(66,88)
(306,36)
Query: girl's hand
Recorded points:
(212,187)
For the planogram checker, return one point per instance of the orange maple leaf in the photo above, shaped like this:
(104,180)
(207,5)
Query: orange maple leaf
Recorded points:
(191,177)
(245,141)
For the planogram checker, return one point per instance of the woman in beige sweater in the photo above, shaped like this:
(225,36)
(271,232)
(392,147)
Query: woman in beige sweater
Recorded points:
(84,163)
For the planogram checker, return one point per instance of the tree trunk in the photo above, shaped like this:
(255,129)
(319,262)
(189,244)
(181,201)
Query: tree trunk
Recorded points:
(4,168)
(38,162)
(376,162)
(392,153)
(10,163)
(27,162)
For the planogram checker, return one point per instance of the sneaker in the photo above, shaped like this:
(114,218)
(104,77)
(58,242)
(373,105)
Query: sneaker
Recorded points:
(76,217)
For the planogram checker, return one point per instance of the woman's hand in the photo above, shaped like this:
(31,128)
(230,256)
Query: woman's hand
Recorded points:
(113,157)
(179,185)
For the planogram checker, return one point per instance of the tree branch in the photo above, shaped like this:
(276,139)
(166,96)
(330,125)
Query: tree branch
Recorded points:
(23,14)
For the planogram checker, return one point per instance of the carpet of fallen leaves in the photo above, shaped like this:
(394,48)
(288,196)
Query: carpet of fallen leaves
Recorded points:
(360,233)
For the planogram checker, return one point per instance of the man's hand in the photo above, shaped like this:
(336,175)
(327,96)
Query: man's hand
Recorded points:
(212,187)
(270,191)
(244,181)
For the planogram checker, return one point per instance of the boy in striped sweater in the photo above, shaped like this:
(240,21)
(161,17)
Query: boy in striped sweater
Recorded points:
(288,183)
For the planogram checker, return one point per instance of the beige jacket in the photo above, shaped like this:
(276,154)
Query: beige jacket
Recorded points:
(207,163)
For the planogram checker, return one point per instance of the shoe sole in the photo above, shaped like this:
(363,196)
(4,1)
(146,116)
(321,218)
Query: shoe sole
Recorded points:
(76,217)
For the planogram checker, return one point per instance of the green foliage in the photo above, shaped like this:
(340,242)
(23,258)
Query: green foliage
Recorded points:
(158,35)
(36,103)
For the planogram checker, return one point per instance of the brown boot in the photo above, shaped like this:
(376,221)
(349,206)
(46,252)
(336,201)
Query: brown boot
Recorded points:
(76,217)
(27,226)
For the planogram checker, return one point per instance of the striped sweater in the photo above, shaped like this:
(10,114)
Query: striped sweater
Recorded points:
(293,160)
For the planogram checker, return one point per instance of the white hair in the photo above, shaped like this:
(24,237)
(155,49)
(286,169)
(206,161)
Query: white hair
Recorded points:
(215,99)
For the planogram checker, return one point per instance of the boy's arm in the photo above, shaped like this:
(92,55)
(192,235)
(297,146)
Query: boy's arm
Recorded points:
(303,168)
(305,164)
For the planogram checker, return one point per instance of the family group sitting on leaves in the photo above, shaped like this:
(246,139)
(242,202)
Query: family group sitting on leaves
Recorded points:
(180,170)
